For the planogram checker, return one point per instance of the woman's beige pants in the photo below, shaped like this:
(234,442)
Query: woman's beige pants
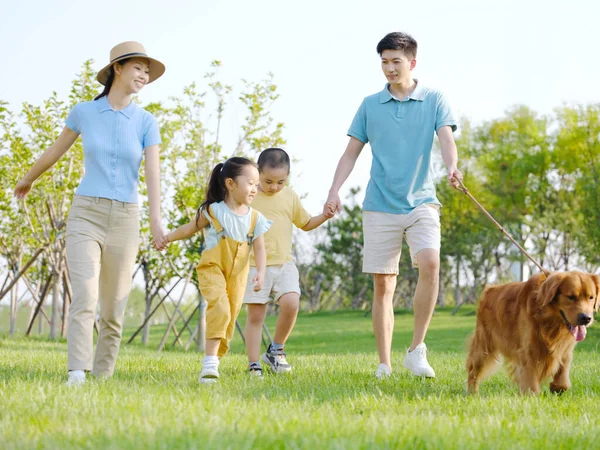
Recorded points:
(102,244)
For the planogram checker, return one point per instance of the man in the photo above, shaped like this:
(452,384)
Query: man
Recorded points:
(399,123)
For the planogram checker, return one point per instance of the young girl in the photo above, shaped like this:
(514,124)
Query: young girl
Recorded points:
(233,228)
(103,227)
(282,281)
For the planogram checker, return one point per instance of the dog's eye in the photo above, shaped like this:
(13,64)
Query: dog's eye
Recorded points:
(572,297)
(592,298)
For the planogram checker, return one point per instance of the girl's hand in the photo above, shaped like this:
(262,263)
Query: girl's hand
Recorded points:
(22,188)
(258,281)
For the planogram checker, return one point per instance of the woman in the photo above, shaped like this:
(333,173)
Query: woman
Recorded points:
(104,222)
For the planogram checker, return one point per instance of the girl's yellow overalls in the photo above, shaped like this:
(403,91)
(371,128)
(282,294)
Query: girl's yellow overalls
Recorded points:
(222,276)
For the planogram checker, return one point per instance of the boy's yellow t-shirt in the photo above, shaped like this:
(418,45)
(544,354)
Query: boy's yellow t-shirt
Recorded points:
(284,209)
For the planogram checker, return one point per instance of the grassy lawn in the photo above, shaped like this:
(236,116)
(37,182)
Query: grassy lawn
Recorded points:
(330,401)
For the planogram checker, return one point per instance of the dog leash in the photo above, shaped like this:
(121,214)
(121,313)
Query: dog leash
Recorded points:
(500,227)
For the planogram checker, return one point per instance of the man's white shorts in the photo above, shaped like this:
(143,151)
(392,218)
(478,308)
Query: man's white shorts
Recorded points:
(383,234)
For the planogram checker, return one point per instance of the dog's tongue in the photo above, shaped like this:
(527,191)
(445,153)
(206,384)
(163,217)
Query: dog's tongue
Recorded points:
(579,332)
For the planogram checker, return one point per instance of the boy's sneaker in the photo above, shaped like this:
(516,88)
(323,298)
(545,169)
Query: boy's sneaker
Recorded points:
(383,371)
(416,362)
(209,373)
(255,370)
(76,378)
(275,359)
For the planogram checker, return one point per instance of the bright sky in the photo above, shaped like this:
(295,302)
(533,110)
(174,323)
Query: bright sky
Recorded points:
(485,56)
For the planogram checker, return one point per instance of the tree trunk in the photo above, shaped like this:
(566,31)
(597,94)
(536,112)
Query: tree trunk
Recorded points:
(146,330)
(55,319)
(13,309)
(457,296)
(201,334)
(66,304)
(440,298)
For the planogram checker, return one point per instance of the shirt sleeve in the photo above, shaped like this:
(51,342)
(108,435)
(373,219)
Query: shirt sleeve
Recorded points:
(73,121)
(262,225)
(443,115)
(358,128)
(151,133)
(300,215)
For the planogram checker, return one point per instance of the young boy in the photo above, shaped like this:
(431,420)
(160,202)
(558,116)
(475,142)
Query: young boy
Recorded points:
(282,206)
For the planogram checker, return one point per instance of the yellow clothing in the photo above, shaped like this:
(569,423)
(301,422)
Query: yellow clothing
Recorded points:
(284,209)
(222,276)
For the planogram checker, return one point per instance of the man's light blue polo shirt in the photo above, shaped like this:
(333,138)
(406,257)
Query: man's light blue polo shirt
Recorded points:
(401,136)
(113,145)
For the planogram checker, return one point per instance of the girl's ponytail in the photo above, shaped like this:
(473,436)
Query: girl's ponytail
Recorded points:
(215,191)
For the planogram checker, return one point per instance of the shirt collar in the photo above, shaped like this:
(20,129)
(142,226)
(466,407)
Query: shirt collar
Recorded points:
(103,106)
(418,94)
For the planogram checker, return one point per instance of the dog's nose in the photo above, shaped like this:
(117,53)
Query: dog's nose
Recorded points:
(583,319)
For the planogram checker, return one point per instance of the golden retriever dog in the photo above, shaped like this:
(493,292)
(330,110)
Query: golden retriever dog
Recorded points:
(534,326)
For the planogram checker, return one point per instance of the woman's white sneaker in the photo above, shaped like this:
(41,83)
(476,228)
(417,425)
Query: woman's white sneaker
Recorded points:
(76,378)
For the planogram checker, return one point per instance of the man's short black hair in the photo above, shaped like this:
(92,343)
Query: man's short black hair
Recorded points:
(398,41)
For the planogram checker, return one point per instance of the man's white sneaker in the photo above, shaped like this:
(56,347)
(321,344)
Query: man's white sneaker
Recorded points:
(383,371)
(209,373)
(416,362)
(76,378)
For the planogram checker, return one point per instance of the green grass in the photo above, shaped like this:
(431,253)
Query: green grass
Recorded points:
(331,400)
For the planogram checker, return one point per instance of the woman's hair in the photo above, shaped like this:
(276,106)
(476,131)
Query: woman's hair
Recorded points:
(216,190)
(110,79)
(273,158)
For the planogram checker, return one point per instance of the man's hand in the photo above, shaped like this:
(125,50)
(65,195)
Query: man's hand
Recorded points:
(454,176)
(334,200)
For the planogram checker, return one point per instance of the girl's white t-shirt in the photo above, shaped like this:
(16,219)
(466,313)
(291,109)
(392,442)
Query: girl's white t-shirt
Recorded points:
(234,226)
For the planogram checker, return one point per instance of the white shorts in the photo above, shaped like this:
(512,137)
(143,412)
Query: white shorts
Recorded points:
(383,234)
(279,280)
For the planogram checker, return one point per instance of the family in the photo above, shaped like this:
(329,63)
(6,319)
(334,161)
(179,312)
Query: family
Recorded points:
(248,216)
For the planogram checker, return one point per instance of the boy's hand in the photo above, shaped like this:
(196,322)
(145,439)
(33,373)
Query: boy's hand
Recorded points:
(329,210)
(335,199)
(258,281)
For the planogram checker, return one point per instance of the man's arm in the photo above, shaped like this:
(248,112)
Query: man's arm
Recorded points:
(344,169)
(449,155)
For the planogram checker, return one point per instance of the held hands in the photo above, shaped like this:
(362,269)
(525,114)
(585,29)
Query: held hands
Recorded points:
(454,176)
(258,280)
(334,201)
(159,236)
(329,210)
(22,188)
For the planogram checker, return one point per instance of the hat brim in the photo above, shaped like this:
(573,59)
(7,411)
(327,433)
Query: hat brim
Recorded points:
(157,69)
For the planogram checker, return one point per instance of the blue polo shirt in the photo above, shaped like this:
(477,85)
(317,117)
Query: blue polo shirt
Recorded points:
(401,136)
(113,146)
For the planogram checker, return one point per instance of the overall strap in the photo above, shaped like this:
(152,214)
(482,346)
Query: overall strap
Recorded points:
(212,219)
(253,221)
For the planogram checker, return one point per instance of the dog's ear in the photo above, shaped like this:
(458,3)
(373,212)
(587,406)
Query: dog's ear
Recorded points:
(549,288)
(596,279)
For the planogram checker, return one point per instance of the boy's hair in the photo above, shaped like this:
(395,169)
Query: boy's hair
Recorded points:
(216,190)
(398,41)
(273,158)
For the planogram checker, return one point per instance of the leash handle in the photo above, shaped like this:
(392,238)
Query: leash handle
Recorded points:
(500,227)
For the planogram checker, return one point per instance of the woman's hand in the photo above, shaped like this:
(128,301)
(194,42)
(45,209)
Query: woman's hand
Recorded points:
(22,188)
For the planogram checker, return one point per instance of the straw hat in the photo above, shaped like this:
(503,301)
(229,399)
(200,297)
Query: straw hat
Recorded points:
(130,49)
